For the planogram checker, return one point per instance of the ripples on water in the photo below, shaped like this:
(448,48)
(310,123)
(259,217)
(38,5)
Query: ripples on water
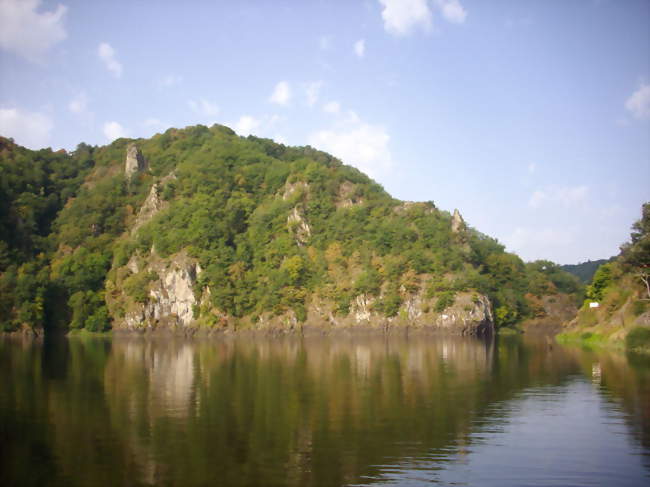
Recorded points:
(340,411)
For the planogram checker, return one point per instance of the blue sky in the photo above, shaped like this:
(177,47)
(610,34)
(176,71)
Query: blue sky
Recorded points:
(530,117)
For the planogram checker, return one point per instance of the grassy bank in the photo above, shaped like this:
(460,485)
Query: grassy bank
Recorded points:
(588,340)
(637,340)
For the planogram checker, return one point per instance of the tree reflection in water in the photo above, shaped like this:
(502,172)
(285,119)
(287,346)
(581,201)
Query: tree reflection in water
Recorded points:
(261,411)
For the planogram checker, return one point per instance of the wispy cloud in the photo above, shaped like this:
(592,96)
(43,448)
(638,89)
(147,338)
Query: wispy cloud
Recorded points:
(27,32)
(564,195)
(401,17)
(360,48)
(355,142)
(107,54)
(452,11)
(332,107)
(31,129)
(281,93)
(638,104)
(312,91)
(169,81)
(247,124)
(113,130)
(79,104)
(262,126)
(203,107)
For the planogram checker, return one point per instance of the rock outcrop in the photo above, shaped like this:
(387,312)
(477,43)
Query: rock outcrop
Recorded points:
(170,298)
(470,314)
(295,188)
(298,226)
(153,204)
(135,162)
(347,196)
(407,206)
(457,222)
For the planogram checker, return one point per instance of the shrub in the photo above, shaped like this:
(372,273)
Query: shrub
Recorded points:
(638,338)
(137,285)
(444,300)
(390,304)
(639,307)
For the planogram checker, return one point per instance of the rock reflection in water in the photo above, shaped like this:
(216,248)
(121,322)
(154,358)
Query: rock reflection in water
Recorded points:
(317,406)
(256,411)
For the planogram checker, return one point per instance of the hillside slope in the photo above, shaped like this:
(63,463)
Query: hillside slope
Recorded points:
(617,307)
(202,228)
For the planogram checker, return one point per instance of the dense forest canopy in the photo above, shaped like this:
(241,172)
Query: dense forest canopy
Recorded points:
(272,228)
(585,270)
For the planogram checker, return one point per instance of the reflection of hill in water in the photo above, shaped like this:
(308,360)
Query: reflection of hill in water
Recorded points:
(277,412)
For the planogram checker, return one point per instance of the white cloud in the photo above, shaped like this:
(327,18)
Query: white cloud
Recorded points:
(113,130)
(312,91)
(247,124)
(30,129)
(402,16)
(281,93)
(332,107)
(638,104)
(203,107)
(170,80)
(262,126)
(79,104)
(565,195)
(360,48)
(107,54)
(356,143)
(452,11)
(27,32)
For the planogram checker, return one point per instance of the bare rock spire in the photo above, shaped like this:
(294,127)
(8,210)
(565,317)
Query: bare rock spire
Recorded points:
(457,222)
(135,162)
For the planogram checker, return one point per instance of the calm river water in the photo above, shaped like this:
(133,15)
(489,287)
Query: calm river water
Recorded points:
(339,411)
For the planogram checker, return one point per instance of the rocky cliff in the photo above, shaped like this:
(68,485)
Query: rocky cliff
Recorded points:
(134,162)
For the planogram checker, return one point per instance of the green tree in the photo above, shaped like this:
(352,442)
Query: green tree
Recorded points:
(635,255)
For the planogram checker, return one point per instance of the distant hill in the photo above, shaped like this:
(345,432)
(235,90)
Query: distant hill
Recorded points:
(585,270)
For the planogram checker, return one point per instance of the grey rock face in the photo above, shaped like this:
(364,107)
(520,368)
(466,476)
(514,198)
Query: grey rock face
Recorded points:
(298,226)
(457,222)
(470,314)
(135,162)
(171,297)
(153,204)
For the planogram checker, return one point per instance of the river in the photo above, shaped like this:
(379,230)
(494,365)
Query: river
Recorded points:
(253,411)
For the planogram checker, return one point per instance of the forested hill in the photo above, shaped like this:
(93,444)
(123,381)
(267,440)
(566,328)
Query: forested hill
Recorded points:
(585,270)
(199,227)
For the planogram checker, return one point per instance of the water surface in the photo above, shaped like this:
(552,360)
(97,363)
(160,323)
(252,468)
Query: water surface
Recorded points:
(335,411)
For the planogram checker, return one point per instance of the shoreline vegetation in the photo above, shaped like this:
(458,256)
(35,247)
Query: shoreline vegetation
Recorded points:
(637,340)
(616,311)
